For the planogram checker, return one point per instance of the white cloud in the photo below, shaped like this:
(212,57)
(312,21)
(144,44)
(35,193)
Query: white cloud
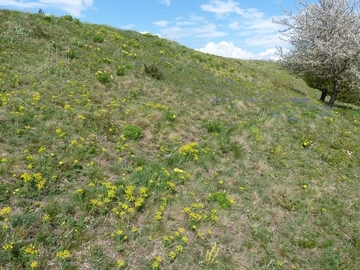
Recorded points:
(255,32)
(234,26)
(127,26)
(161,23)
(192,20)
(205,31)
(21,4)
(73,7)
(264,25)
(198,19)
(266,40)
(175,32)
(185,23)
(194,27)
(165,2)
(269,54)
(228,49)
(222,8)
(252,26)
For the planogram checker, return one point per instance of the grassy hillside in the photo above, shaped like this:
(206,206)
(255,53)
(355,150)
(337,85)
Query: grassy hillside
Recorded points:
(121,150)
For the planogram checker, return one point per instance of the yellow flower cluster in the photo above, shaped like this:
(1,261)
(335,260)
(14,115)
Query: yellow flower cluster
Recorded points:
(36,96)
(37,178)
(59,132)
(41,149)
(123,209)
(31,249)
(197,213)
(34,264)
(172,255)
(160,212)
(181,174)
(176,242)
(81,117)
(116,36)
(5,211)
(135,198)
(306,144)
(90,47)
(63,254)
(107,60)
(46,217)
(129,193)
(8,246)
(119,234)
(157,106)
(157,262)
(190,150)
(97,202)
(121,263)
(68,107)
(126,53)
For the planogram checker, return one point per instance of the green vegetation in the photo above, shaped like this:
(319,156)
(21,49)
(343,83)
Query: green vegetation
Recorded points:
(324,47)
(132,132)
(210,163)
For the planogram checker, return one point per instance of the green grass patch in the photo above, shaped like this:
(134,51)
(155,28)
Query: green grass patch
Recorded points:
(115,143)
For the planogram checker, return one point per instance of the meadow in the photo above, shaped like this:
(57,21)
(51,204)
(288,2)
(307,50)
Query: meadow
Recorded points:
(121,150)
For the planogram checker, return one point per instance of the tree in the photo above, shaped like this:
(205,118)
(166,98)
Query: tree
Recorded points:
(325,44)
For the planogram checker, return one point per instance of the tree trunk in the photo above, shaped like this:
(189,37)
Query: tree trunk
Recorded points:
(335,92)
(323,95)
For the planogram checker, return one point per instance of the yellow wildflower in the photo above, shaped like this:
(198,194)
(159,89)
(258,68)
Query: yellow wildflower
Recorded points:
(63,254)
(121,263)
(31,249)
(34,264)
(5,211)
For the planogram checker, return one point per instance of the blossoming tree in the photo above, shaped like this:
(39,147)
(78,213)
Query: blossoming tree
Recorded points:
(325,45)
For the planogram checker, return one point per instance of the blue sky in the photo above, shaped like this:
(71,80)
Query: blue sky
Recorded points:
(232,28)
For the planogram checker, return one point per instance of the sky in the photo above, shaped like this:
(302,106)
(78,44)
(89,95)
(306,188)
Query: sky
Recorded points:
(231,28)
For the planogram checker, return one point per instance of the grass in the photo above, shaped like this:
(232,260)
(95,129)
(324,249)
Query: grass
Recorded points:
(122,150)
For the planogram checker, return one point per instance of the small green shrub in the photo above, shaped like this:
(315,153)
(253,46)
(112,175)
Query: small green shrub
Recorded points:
(48,19)
(222,199)
(153,71)
(21,31)
(309,240)
(213,127)
(99,38)
(67,17)
(38,32)
(103,77)
(160,42)
(120,71)
(170,116)
(133,132)
(71,54)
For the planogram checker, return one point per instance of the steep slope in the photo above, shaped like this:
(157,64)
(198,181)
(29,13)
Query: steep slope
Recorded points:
(125,150)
